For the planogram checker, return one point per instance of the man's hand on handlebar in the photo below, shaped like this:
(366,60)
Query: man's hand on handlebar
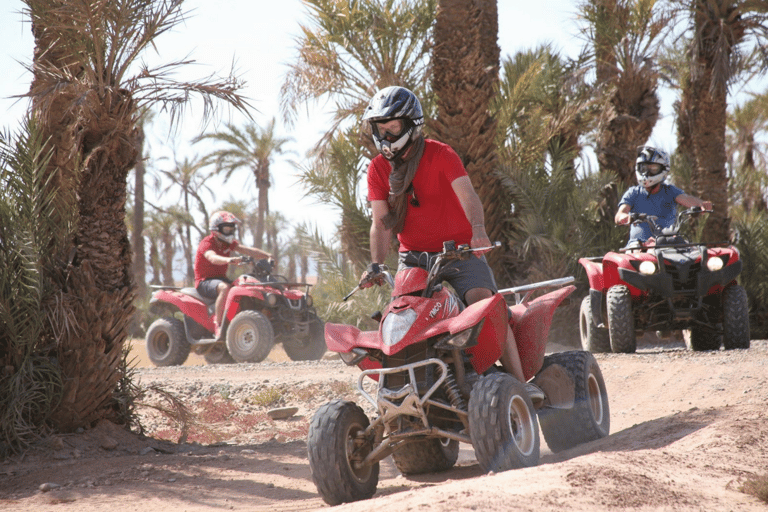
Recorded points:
(374,274)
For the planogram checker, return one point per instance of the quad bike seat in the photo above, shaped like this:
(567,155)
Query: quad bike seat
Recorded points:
(192,292)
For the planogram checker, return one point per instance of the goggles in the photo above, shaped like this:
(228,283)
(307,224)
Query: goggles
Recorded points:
(649,169)
(388,135)
(227,229)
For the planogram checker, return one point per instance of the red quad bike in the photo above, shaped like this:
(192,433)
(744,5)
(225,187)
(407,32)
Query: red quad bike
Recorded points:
(669,286)
(261,309)
(437,384)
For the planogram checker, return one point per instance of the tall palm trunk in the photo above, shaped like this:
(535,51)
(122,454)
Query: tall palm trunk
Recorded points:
(94,147)
(709,114)
(262,184)
(137,234)
(465,77)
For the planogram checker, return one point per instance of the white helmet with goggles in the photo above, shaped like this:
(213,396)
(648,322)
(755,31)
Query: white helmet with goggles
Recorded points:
(223,225)
(390,104)
(651,166)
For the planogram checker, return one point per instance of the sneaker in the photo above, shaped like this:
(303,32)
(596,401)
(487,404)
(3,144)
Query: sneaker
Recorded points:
(534,392)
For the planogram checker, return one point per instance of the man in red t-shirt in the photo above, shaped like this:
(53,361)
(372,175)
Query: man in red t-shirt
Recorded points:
(214,255)
(419,190)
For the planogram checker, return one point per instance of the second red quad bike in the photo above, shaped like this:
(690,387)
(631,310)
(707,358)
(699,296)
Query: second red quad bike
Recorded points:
(665,286)
(261,309)
(435,384)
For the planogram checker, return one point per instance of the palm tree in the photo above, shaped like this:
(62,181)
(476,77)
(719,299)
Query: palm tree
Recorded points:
(252,147)
(354,48)
(186,178)
(351,49)
(721,30)
(333,179)
(748,154)
(137,215)
(626,37)
(465,63)
(87,105)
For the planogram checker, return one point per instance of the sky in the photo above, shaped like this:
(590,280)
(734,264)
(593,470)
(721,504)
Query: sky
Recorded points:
(259,37)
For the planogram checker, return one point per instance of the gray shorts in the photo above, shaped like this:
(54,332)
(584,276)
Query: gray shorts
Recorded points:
(207,287)
(471,273)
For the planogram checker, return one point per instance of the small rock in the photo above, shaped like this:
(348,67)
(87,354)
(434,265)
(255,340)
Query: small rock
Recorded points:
(48,486)
(147,451)
(282,413)
(108,443)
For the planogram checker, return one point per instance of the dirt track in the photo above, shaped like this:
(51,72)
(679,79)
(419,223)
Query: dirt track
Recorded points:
(688,429)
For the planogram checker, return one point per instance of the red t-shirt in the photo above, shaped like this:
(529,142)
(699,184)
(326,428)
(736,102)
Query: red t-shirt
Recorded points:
(204,269)
(439,216)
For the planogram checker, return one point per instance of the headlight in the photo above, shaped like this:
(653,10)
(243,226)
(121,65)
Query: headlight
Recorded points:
(647,267)
(271,300)
(396,325)
(309,301)
(461,340)
(714,264)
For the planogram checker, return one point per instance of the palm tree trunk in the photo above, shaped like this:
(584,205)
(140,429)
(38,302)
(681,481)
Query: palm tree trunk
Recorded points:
(137,238)
(94,146)
(465,75)
(708,122)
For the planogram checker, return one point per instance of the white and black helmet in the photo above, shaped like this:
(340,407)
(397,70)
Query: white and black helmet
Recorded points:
(651,166)
(389,104)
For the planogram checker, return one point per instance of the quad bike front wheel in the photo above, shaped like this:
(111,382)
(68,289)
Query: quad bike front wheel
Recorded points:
(429,455)
(218,354)
(310,348)
(621,320)
(735,318)
(593,338)
(167,343)
(502,424)
(336,449)
(578,415)
(250,337)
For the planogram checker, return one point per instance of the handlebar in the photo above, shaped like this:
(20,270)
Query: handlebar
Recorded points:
(450,252)
(383,274)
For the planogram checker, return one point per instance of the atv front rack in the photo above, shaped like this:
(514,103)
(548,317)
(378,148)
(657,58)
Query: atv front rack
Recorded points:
(408,401)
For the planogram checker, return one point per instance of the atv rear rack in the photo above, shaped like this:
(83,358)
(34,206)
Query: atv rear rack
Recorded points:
(530,288)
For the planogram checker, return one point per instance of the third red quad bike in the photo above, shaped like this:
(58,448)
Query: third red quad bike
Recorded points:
(665,286)
(261,309)
(435,384)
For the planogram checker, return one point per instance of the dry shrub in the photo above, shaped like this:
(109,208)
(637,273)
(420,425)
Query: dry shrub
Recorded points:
(757,487)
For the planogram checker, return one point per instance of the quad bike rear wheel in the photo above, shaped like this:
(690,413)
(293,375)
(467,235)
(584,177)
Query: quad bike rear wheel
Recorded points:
(502,424)
(250,337)
(335,450)
(426,456)
(593,338)
(218,354)
(310,348)
(621,320)
(587,417)
(735,318)
(167,343)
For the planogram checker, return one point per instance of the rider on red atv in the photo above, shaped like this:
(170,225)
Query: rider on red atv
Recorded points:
(214,255)
(652,196)
(420,191)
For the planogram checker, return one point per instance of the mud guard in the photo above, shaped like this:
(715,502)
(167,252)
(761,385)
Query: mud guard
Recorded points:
(530,323)
(187,305)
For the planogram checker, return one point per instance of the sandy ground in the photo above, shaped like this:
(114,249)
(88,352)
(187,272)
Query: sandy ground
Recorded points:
(687,431)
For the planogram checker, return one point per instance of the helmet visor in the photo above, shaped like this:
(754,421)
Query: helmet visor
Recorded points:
(390,130)
(227,229)
(649,168)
